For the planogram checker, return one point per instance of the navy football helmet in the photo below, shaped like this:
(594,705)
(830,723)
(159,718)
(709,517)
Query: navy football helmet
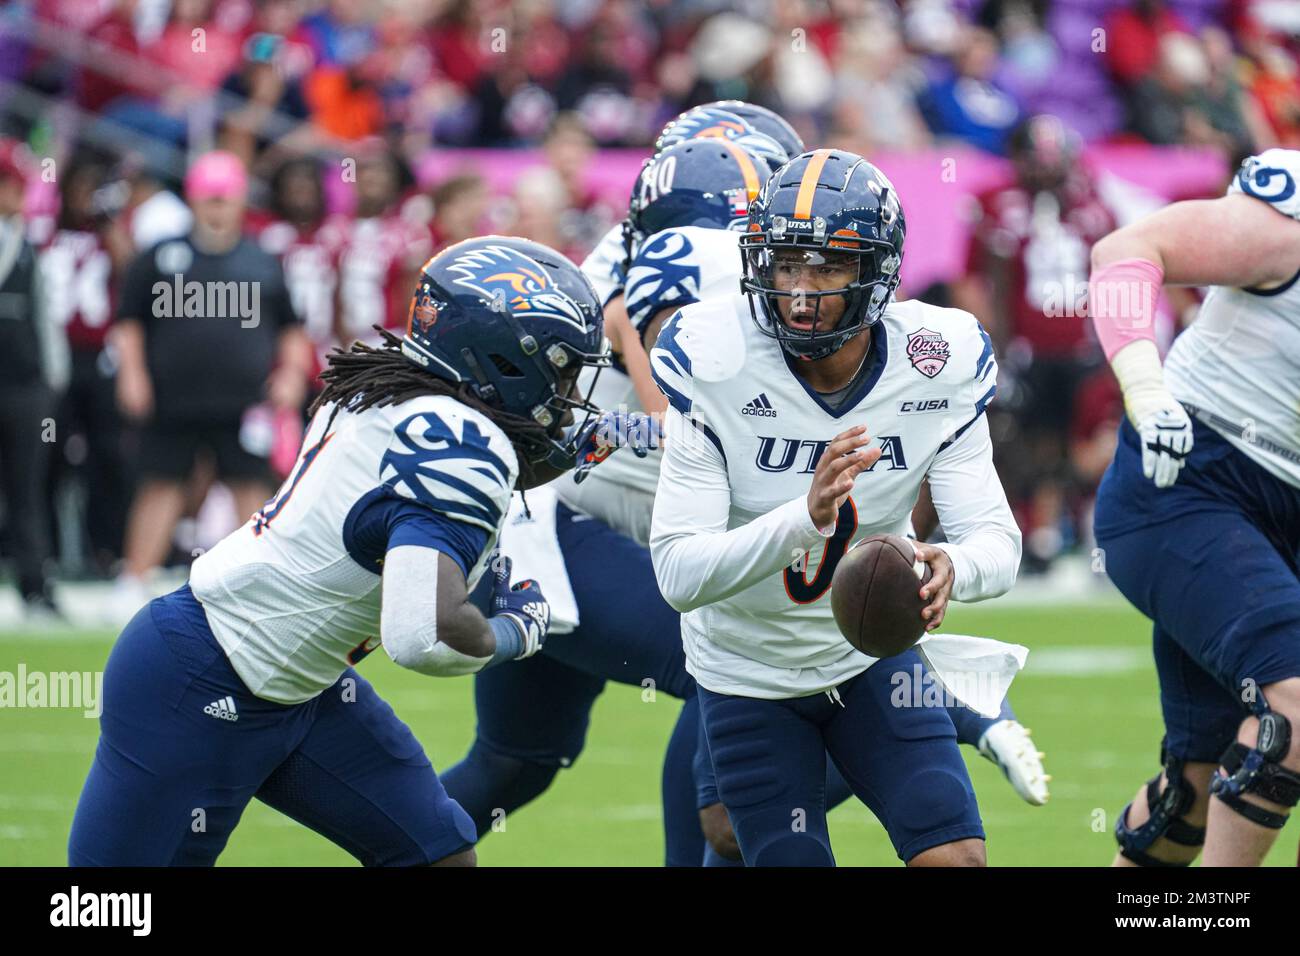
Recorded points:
(709,122)
(699,182)
(822,204)
(514,320)
(765,121)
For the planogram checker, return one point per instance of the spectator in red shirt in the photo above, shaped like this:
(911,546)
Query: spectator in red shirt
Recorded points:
(584,216)
(1133,38)
(196,45)
(1026,280)
(295,234)
(80,266)
(459,206)
(456,42)
(379,251)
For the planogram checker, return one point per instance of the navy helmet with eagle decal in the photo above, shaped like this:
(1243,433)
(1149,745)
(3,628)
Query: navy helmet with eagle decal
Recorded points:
(711,122)
(514,320)
(764,121)
(823,204)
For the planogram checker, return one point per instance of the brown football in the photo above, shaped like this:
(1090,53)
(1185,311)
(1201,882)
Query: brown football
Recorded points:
(875,595)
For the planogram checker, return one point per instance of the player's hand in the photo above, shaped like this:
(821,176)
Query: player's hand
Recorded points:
(134,394)
(938,589)
(844,459)
(611,431)
(1166,436)
(523,604)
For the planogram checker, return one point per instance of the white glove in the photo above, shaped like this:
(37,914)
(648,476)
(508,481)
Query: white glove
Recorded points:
(1166,436)
(1162,424)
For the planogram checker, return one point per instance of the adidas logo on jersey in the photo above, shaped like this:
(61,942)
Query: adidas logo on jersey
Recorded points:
(759,407)
(223,709)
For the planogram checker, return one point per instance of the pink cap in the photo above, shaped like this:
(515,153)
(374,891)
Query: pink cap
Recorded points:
(214,174)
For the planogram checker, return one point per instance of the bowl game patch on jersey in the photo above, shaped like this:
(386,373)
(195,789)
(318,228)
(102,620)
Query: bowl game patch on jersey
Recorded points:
(928,351)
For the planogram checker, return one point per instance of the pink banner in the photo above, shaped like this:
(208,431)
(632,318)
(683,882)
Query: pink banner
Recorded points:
(934,185)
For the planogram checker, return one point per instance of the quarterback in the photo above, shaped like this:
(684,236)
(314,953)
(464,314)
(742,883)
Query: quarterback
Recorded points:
(241,683)
(770,474)
(1199,513)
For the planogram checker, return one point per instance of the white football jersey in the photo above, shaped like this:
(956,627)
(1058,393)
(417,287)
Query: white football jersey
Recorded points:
(604,264)
(672,268)
(1238,364)
(732,540)
(293,596)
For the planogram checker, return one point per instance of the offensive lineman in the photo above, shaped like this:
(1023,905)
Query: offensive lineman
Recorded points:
(817,340)
(241,682)
(1199,513)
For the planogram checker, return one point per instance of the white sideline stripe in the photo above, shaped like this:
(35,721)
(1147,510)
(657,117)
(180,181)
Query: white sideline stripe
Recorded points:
(37,803)
(1086,661)
(9,832)
(48,743)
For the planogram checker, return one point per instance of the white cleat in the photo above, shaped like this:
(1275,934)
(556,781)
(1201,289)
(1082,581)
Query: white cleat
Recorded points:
(1009,745)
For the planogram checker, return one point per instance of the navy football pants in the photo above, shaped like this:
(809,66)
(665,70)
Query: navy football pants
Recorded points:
(1212,561)
(902,762)
(172,775)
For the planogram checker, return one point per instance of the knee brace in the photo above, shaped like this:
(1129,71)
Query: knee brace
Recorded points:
(1166,810)
(1259,770)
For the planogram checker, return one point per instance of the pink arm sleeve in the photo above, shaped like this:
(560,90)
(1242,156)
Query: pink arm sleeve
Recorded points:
(1122,302)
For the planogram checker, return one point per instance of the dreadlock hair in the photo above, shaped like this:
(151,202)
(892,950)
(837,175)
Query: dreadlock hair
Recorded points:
(365,376)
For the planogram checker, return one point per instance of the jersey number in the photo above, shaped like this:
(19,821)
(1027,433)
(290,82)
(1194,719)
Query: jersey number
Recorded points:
(797,585)
(272,508)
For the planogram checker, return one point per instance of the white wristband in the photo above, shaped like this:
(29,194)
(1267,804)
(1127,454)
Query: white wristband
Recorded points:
(1142,379)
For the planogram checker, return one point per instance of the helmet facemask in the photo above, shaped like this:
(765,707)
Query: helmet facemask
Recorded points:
(568,406)
(561,365)
(770,277)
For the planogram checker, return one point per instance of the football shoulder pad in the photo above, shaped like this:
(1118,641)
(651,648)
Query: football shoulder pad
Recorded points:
(450,458)
(703,342)
(1272,177)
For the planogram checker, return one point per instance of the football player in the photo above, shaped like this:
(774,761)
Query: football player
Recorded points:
(683,258)
(768,458)
(1199,513)
(241,683)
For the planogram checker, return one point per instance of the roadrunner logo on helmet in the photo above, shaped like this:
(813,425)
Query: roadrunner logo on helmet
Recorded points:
(517,322)
(765,121)
(822,205)
(710,122)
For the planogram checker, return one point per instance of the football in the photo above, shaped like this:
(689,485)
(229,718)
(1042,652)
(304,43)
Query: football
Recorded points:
(875,595)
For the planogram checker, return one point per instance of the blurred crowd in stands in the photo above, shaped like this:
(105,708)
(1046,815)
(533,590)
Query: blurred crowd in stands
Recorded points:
(119,97)
(497,72)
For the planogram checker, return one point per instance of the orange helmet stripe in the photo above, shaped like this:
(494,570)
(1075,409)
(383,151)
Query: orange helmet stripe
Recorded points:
(747,169)
(808,184)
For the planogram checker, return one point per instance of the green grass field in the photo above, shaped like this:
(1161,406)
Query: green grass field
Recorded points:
(1088,693)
